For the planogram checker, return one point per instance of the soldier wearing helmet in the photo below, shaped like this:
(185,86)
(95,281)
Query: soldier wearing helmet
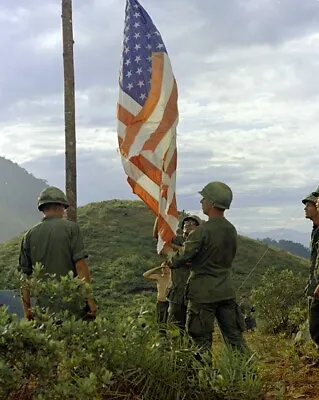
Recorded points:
(189,223)
(179,277)
(171,303)
(55,243)
(312,288)
(210,251)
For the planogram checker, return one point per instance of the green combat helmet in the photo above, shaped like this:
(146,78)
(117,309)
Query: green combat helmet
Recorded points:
(51,195)
(193,217)
(312,197)
(219,194)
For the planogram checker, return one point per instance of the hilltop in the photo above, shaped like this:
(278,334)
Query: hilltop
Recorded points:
(118,235)
(19,189)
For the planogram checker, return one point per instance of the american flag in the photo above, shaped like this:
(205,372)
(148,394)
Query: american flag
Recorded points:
(147,118)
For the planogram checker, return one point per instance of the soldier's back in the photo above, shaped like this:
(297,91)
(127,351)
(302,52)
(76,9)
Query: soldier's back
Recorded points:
(210,278)
(54,243)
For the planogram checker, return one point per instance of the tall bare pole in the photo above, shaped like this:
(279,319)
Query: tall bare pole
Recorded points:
(69,110)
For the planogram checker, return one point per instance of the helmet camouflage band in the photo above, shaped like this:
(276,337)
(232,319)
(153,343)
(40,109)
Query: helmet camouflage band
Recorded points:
(219,194)
(51,195)
(312,197)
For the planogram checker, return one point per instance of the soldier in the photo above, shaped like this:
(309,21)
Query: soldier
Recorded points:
(179,276)
(247,310)
(312,288)
(162,276)
(210,250)
(56,244)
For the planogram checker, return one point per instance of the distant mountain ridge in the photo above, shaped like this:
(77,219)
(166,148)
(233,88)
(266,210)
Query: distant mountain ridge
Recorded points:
(283,234)
(291,247)
(18,194)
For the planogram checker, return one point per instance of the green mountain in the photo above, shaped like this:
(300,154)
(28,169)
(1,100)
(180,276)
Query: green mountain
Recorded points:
(288,245)
(19,191)
(118,235)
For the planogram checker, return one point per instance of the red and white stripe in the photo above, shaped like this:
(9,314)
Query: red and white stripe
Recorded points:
(147,143)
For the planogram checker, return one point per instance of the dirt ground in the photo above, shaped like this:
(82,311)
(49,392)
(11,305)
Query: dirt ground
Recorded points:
(288,371)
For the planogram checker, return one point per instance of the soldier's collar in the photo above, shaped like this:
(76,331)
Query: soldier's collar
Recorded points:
(48,217)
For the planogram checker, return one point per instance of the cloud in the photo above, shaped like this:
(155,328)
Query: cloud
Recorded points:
(248,98)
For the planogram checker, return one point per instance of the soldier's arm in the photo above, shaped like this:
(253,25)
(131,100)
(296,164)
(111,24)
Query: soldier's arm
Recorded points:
(79,256)
(26,300)
(190,250)
(82,270)
(25,264)
(83,273)
(152,273)
(314,250)
(176,247)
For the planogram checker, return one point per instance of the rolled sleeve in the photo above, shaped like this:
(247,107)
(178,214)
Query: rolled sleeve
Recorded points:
(25,264)
(77,245)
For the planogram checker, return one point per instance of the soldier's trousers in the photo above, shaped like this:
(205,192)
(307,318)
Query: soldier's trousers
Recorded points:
(162,314)
(177,315)
(314,319)
(200,323)
(250,323)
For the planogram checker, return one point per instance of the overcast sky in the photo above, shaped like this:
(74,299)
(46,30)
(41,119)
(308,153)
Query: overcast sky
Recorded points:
(247,74)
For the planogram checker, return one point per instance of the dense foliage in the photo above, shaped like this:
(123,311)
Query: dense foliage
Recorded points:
(57,356)
(280,302)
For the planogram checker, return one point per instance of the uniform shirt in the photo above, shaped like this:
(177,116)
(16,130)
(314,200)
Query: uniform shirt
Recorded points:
(178,281)
(209,250)
(314,262)
(56,244)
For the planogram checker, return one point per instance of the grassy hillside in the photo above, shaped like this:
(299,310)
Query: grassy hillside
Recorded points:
(118,235)
(19,191)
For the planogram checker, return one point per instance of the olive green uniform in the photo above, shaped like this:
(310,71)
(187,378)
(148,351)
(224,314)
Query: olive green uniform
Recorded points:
(162,315)
(177,310)
(313,279)
(210,250)
(56,244)
(247,310)
(176,293)
(176,296)
(313,270)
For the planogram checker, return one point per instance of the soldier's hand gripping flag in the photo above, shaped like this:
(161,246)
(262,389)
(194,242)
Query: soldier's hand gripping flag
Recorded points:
(147,118)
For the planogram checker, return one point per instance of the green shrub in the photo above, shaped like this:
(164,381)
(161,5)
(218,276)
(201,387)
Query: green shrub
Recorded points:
(59,356)
(280,302)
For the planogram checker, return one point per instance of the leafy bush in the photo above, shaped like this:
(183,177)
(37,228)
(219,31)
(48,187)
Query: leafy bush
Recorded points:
(280,302)
(58,356)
